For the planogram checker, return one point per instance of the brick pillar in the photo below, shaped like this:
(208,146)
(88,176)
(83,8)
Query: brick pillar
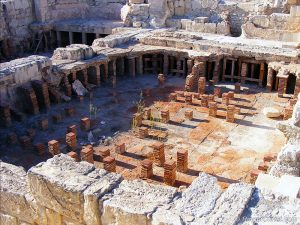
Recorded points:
(87,154)
(137,120)
(173,97)
(25,142)
(190,65)
(202,69)
(12,138)
(42,93)
(158,153)
(201,85)
(53,147)
(30,101)
(85,124)
(270,78)
(143,132)
(261,74)
(237,87)
(165,116)
(182,161)
(189,114)
(71,141)
(103,153)
(131,66)
(211,98)
(225,98)
(69,111)
(43,124)
(146,169)
(230,114)
(217,92)
(204,101)
(110,164)
(5,115)
(166,64)
(74,156)
(231,94)
(282,86)
(40,148)
(244,72)
(170,172)
(72,129)
(147,114)
(140,66)
(213,107)
(120,147)
(67,86)
(161,79)
(297,88)
(73,76)
(188,98)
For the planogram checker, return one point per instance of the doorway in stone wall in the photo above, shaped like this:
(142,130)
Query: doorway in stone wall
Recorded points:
(291,82)
(2,53)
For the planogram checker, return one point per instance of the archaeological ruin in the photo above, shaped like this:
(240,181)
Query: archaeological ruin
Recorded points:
(149,112)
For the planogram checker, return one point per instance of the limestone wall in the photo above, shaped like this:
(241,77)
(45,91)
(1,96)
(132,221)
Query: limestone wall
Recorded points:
(18,72)
(62,191)
(277,26)
(47,10)
(15,16)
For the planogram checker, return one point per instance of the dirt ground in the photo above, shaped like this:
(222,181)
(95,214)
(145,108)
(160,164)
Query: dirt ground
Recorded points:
(226,150)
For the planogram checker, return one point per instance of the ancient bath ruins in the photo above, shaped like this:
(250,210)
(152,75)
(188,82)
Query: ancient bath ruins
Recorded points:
(149,112)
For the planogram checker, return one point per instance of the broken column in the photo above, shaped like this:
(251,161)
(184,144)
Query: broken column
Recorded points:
(158,153)
(213,108)
(189,114)
(244,72)
(53,147)
(146,169)
(182,160)
(109,164)
(201,85)
(230,114)
(103,153)
(170,172)
(71,141)
(270,78)
(42,93)
(165,116)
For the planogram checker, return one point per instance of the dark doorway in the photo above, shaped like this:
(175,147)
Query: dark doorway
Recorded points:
(291,82)
(77,38)
(90,37)
(64,38)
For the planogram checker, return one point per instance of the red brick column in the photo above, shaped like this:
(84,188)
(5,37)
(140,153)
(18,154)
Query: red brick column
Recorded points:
(25,142)
(230,114)
(146,169)
(165,116)
(225,98)
(213,108)
(217,92)
(104,152)
(74,156)
(87,154)
(71,141)
(182,160)
(158,153)
(143,132)
(201,85)
(110,164)
(189,114)
(120,147)
(40,148)
(137,120)
(170,172)
(204,101)
(237,87)
(188,97)
(53,147)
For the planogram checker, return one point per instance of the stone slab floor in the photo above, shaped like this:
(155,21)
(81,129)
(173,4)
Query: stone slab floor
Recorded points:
(227,150)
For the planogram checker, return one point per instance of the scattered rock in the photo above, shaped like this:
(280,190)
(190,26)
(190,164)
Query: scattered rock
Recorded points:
(272,112)
(79,89)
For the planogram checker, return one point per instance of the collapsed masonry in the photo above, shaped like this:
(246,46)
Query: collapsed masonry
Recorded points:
(62,191)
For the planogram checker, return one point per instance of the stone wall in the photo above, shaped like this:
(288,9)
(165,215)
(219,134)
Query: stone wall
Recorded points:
(47,10)
(62,191)
(277,26)
(17,72)
(15,16)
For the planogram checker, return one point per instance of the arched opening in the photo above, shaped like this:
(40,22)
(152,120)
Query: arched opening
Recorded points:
(92,75)
(80,76)
(102,72)
(90,37)
(77,38)
(64,38)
